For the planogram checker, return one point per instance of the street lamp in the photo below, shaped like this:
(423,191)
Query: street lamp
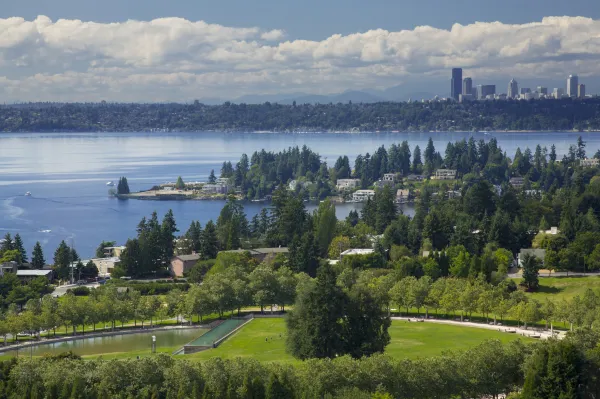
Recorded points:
(154,344)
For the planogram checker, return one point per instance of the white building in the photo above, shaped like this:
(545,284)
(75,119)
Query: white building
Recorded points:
(362,195)
(445,174)
(215,188)
(553,231)
(350,252)
(558,93)
(589,162)
(513,89)
(347,184)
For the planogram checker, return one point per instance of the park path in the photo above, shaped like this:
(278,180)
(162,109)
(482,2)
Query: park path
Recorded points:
(542,334)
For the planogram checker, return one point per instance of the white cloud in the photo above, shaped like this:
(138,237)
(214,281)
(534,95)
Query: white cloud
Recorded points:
(177,59)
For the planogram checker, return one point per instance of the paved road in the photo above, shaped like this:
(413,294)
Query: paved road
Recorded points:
(557,274)
(62,290)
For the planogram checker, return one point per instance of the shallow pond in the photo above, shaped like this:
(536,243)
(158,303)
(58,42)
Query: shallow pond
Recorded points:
(114,344)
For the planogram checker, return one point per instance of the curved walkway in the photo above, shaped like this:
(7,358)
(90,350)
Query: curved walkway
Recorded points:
(542,334)
(46,341)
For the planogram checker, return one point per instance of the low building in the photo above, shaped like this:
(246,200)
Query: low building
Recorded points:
(402,196)
(215,188)
(451,194)
(517,182)
(28,275)
(357,251)
(182,263)
(553,231)
(106,265)
(445,174)
(363,195)
(589,162)
(413,177)
(347,184)
(538,253)
(223,181)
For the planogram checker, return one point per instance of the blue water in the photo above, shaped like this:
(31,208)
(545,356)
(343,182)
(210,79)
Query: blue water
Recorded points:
(67,175)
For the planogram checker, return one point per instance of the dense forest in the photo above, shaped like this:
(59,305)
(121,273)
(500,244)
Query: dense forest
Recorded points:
(564,114)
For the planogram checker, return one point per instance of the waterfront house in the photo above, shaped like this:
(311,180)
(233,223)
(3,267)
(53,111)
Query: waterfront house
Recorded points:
(391,177)
(217,188)
(347,184)
(445,174)
(362,195)
(182,263)
(402,196)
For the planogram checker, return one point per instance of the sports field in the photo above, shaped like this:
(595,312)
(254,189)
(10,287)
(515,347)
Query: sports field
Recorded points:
(264,340)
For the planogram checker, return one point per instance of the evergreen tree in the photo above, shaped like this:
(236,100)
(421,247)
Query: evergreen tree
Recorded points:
(37,257)
(212,178)
(18,245)
(209,241)
(531,267)
(385,209)
(168,230)
(353,218)
(7,244)
(179,184)
(232,225)
(62,260)
(325,223)
(580,148)
(123,186)
(276,389)
(194,235)
(417,162)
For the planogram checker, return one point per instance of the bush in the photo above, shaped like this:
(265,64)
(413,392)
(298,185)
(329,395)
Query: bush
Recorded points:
(152,287)
(79,291)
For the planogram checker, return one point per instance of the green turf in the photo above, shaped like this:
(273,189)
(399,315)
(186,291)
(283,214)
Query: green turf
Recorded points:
(557,288)
(408,340)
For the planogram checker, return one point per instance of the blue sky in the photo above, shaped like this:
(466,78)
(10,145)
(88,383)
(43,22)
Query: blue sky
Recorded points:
(226,49)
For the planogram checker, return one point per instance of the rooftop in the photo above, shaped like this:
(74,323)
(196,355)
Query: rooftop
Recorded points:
(357,251)
(186,258)
(28,273)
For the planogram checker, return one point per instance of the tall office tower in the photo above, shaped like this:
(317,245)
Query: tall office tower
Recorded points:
(558,93)
(467,86)
(581,90)
(572,83)
(456,85)
(513,89)
(542,90)
(485,90)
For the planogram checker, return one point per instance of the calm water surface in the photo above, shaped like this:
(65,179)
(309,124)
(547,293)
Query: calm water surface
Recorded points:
(67,175)
(115,344)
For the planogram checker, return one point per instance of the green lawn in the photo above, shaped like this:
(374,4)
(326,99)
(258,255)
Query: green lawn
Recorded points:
(264,340)
(557,288)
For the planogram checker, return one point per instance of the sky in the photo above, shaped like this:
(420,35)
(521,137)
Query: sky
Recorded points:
(180,50)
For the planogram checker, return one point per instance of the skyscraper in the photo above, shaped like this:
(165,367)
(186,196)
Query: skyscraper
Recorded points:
(572,83)
(456,84)
(542,90)
(581,90)
(485,90)
(467,86)
(513,89)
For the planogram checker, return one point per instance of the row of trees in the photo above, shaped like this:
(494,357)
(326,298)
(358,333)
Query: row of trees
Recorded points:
(13,250)
(555,115)
(552,369)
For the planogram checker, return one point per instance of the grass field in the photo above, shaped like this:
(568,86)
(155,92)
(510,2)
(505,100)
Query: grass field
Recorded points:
(557,288)
(264,340)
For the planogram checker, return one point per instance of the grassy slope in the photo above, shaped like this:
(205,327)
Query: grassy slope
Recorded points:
(557,288)
(408,340)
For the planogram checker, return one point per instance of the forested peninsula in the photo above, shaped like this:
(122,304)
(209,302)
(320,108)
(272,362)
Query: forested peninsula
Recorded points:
(533,115)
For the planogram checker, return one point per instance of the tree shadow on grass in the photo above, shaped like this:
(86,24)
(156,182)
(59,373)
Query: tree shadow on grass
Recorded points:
(548,290)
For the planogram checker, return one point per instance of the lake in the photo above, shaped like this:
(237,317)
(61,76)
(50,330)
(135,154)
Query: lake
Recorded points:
(115,343)
(66,174)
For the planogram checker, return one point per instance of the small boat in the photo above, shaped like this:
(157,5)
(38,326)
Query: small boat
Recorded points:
(28,194)
(110,184)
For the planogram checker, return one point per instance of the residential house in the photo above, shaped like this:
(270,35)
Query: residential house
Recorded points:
(538,253)
(451,194)
(106,265)
(402,196)
(28,275)
(363,195)
(553,231)
(182,263)
(517,182)
(413,177)
(357,251)
(391,177)
(347,184)
(8,267)
(589,162)
(215,188)
(445,174)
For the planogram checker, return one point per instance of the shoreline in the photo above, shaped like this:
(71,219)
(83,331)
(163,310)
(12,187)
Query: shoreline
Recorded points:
(300,131)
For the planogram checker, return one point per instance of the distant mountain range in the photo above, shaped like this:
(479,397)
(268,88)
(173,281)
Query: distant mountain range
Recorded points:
(396,93)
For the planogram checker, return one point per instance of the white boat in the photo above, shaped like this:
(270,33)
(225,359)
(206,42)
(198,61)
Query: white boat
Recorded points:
(28,194)
(110,184)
